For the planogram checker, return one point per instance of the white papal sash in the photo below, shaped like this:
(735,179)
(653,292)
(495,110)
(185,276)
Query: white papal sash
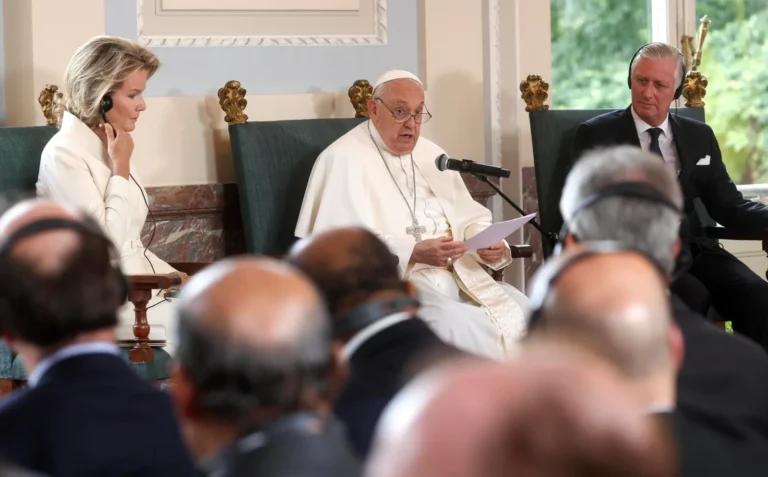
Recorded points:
(503,311)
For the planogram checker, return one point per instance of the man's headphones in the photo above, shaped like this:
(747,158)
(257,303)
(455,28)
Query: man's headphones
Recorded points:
(84,228)
(634,190)
(105,105)
(368,313)
(553,269)
(679,90)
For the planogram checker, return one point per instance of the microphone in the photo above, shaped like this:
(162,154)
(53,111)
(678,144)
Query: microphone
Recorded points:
(443,162)
(482,172)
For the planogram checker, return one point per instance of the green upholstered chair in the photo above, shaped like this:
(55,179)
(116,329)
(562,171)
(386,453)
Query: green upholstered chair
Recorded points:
(552,133)
(273,161)
(20,150)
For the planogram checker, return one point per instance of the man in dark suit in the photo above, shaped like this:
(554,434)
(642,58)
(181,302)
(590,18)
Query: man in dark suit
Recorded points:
(257,375)
(691,150)
(85,413)
(614,302)
(375,321)
(624,194)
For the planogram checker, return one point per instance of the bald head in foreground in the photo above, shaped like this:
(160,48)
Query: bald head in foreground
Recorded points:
(617,297)
(255,356)
(59,300)
(553,413)
(614,303)
(58,286)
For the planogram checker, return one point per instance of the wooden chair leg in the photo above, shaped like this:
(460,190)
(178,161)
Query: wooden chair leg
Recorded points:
(141,351)
(7,386)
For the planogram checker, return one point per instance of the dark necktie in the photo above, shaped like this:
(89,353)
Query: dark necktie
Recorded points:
(655,132)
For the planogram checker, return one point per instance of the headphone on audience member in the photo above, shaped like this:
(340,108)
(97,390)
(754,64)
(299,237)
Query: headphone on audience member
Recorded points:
(105,105)
(368,313)
(552,270)
(679,90)
(45,225)
(634,190)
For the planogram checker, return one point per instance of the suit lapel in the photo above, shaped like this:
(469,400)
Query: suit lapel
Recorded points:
(628,131)
(682,155)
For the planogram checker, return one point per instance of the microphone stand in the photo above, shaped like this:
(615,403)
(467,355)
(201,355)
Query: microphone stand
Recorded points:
(549,235)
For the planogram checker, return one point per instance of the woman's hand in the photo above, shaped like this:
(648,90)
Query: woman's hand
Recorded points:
(120,149)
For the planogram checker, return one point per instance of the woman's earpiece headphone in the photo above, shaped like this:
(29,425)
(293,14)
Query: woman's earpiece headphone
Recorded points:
(678,91)
(106,105)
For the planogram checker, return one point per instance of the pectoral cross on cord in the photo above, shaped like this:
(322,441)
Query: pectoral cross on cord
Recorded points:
(415,229)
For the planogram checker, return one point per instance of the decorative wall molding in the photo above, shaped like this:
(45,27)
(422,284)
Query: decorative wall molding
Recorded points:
(258,5)
(494,141)
(378,37)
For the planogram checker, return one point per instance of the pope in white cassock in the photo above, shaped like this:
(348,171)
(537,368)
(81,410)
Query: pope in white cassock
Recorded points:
(382,176)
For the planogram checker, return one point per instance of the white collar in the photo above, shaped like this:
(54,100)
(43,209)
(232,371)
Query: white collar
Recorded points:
(641,126)
(96,347)
(369,331)
(86,138)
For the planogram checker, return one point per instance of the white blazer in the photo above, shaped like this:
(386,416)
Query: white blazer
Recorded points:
(76,170)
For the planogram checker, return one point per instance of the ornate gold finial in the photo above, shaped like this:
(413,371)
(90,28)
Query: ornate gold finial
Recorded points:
(695,84)
(50,102)
(694,89)
(232,101)
(687,51)
(534,91)
(703,29)
(359,94)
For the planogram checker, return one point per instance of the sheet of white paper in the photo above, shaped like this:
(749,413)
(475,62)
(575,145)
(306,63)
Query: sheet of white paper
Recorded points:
(496,233)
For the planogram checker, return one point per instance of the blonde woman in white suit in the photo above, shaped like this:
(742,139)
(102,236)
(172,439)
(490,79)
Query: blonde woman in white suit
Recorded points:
(88,163)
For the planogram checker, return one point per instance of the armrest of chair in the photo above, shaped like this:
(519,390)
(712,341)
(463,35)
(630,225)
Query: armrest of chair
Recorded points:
(723,233)
(141,292)
(190,268)
(516,251)
(521,251)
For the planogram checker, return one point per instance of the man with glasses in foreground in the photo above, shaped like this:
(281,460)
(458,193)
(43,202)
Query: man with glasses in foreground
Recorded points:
(382,176)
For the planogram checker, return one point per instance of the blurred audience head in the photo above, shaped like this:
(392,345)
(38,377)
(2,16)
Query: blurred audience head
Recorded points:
(59,283)
(613,301)
(600,201)
(352,268)
(552,412)
(254,346)
(109,66)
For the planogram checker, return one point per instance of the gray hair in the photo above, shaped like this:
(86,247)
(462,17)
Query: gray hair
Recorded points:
(648,226)
(661,51)
(235,380)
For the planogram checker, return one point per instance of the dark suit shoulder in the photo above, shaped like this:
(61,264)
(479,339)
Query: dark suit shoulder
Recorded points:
(608,119)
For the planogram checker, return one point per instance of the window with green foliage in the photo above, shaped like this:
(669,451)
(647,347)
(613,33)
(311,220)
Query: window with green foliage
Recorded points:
(592,42)
(735,61)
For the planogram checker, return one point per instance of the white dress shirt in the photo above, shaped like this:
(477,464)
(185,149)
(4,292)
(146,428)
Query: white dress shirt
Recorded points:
(666,140)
